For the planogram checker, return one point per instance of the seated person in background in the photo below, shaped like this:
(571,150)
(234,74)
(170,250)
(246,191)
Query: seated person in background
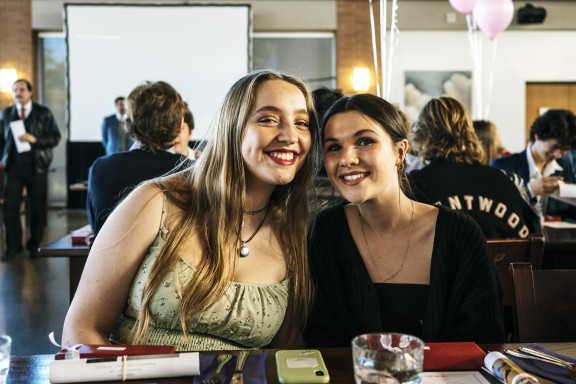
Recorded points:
(384,262)
(443,135)
(213,257)
(540,165)
(155,113)
(181,145)
(570,157)
(487,132)
(412,160)
(326,195)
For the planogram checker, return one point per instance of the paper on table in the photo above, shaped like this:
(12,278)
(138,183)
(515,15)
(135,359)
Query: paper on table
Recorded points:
(134,367)
(559,224)
(18,129)
(464,377)
(566,189)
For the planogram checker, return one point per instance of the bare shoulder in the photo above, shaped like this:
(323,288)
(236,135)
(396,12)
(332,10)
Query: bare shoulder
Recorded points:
(143,199)
(425,216)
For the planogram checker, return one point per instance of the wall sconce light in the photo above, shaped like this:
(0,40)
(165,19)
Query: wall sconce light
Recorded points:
(7,78)
(361,79)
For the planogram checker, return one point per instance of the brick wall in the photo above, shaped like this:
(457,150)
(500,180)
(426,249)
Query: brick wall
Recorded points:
(354,41)
(16,41)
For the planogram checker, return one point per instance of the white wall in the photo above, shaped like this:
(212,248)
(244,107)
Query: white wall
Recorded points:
(520,57)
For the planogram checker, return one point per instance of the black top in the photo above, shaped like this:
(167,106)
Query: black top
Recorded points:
(114,176)
(483,192)
(402,307)
(464,301)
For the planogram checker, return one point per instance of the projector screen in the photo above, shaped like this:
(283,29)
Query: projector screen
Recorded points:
(201,50)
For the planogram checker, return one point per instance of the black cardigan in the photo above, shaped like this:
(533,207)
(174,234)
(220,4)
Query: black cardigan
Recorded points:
(465,295)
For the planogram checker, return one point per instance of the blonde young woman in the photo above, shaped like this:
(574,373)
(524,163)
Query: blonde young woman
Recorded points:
(213,257)
(488,134)
(383,262)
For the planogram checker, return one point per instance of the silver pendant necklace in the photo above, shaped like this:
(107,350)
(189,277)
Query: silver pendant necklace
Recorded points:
(244,251)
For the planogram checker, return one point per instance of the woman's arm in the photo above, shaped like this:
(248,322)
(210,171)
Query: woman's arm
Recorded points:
(112,263)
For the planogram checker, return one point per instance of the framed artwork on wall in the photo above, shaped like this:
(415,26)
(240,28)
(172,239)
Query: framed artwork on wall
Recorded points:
(421,86)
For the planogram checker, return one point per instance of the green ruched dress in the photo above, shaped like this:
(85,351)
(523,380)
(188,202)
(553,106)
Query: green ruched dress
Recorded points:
(248,316)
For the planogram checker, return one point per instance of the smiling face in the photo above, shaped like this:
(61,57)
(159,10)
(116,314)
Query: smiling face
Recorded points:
(360,157)
(276,138)
(547,150)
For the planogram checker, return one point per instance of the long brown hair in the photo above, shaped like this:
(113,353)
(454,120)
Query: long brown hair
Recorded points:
(384,114)
(211,194)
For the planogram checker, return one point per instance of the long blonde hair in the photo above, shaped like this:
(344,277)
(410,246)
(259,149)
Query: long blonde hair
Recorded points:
(443,130)
(487,133)
(211,193)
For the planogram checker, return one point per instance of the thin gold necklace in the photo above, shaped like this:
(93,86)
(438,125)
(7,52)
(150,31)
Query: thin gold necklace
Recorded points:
(382,280)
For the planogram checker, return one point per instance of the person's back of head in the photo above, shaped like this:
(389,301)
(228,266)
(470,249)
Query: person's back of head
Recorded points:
(443,130)
(487,133)
(155,113)
(323,99)
(558,124)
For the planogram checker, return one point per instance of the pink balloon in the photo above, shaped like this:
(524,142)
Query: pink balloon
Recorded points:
(493,16)
(463,6)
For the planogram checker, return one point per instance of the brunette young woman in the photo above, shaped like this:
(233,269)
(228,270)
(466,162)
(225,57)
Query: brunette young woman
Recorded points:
(383,262)
(213,257)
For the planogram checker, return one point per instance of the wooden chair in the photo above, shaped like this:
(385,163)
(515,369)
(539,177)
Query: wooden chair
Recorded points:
(544,303)
(504,252)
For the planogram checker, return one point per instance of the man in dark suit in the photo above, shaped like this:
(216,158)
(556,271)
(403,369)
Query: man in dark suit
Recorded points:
(115,137)
(26,167)
(155,117)
(541,164)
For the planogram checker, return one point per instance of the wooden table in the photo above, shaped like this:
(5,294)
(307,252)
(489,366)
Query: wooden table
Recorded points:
(559,248)
(33,369)
(76,253)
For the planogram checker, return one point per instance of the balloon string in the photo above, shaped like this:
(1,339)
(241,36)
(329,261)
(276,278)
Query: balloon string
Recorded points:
(476,53)
(393,44)
(383,17)
(490,78)
(374,50)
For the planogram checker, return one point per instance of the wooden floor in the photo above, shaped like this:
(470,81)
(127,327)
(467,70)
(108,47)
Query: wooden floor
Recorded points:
(34,292)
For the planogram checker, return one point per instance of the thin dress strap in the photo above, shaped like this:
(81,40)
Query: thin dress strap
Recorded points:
(163,230)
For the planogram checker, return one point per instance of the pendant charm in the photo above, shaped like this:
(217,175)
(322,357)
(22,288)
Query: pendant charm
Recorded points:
(244,251)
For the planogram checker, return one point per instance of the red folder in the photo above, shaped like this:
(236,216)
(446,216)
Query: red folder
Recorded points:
(463,356)
(107,350)
(81,236)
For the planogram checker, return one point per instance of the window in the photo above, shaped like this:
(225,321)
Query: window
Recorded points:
(310,56)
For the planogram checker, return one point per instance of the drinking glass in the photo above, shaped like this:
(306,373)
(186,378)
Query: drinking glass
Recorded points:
(5,344)
(387,358)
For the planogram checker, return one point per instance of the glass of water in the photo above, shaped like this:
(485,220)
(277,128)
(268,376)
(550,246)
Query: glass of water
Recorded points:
(5,345)
(387,358)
